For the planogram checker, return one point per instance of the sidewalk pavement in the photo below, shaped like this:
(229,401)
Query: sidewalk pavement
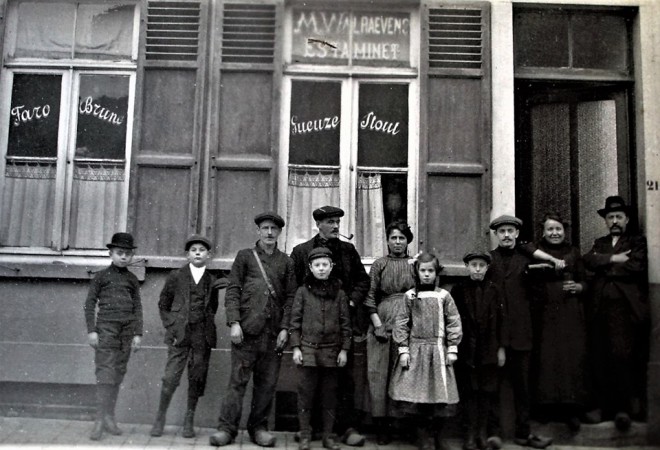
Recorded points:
(30,433)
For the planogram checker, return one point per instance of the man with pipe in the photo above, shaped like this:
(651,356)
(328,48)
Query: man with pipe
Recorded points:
(355,282)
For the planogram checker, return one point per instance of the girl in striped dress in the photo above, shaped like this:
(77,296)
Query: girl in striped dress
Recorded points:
(427,332)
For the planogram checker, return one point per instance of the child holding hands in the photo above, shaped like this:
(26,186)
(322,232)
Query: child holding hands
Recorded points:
(427,331)
(114,328)
(320,337)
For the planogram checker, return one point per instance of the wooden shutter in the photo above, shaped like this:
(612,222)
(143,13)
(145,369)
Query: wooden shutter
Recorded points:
(243,122)
(169,114)
(456,128)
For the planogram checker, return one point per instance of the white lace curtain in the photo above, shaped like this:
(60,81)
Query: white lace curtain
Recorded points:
(310,189)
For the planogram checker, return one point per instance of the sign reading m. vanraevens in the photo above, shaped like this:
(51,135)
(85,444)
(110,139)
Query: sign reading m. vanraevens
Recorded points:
(343,37)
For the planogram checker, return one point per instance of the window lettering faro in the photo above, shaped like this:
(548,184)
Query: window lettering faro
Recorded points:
(308,126)
(371,122)
(23,115)
(87,106)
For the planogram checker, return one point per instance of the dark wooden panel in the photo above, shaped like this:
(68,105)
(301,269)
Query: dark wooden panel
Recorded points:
(454,216)
(455,120)
(245,113)
(163,203)
(240,196)
(168,111)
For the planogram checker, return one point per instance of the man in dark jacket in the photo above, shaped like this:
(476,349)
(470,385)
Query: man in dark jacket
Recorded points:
(620,309)
(508,271)
(258,302)
(355,283)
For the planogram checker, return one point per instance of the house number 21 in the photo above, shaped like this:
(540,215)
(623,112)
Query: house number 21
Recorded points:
(652,185)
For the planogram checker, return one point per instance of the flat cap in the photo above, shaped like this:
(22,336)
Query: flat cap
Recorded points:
(469,256)
(269,215)
(327,211)
(505,220)
(319,252)
(198,239)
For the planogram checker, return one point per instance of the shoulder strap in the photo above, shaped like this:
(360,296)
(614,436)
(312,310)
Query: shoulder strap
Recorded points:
(263,273)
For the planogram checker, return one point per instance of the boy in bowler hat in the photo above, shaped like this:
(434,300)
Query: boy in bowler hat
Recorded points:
(188,303)
(113,312)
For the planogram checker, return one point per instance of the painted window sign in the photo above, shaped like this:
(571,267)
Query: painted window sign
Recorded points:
(102,110)
(350,38)
(34,115)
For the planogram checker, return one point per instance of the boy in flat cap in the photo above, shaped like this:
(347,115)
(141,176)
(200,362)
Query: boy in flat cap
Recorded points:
(113,312)
(508,272)
(479,304)
(355,283)
(620,311)
(320,337)
(258,301)
(187,306)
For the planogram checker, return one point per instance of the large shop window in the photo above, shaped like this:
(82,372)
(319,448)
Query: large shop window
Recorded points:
(67,88)
(348,146)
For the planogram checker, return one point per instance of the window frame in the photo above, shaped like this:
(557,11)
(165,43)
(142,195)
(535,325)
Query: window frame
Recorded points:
(71,71)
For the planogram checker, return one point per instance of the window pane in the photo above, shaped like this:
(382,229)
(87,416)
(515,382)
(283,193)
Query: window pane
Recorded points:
(600,42)
(45,30)
(97,199)
(540,39)
(34,116)
(102,116)
(315,122)
(104,31)
(383,126)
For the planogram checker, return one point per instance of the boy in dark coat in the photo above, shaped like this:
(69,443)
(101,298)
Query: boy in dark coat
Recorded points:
(320,338)
(114,329)
(479,303)
(188,303)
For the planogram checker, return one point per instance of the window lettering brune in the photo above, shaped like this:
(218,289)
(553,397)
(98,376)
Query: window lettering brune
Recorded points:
(87,106)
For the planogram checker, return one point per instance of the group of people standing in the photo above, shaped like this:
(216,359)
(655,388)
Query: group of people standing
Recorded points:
(522,313)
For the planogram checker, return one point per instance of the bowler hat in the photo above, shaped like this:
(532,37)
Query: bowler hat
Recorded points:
(505,220)
(614,203)
(469,256)
(269,215)
(327,211)
(122,240)
(198,239)
(319,252)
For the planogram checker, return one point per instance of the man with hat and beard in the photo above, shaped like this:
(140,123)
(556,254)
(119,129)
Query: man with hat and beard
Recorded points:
(262,286)
(355,283)
(620,310)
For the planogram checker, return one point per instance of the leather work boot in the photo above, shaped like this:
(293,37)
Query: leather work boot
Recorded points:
(159,424)
(189,424)
(263,438)
(109,423)
(97,430)
(221,438)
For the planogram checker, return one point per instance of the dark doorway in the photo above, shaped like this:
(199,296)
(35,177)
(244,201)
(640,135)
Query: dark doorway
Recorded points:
(573,149)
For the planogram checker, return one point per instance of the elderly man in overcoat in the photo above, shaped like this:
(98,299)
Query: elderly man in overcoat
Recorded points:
(619,310)
(355,283)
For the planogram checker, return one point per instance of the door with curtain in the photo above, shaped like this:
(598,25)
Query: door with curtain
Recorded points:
(347,144)
(573,149)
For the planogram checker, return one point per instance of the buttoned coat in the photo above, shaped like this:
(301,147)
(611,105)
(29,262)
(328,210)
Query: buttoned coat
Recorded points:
(348,268)
(248,300)
(629,278)
(174,306)
(508,271)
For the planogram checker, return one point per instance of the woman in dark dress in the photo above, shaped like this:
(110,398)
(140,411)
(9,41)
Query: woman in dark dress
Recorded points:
(561,328)
(391,276)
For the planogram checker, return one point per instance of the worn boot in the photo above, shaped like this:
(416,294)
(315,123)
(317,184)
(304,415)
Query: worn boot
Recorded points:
(189,419)
(109,423)
(305,424)
(328,422)
(159,424)
(97,430)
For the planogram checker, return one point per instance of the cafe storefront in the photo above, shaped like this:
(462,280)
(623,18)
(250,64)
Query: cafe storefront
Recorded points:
(165,118)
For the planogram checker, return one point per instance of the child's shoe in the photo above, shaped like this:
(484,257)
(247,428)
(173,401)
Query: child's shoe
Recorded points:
(494,442)
(220,438)
(188,425)
(97,431)
(353,438)
(304,441)
(110,425)
(330,442)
